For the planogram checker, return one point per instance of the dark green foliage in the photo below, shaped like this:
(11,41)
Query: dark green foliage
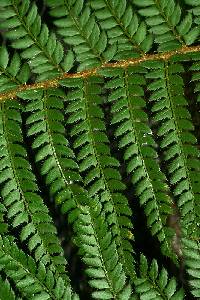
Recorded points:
(123,27)
(58,165)
(100,254)
(12,71)
(194,6)
(19,191)
(153,284)
(177,139)
(135,137)
(39,46)
(33,281)
(79,29)
(6,291)
(86,147)
(169,27)
(195,68)
(102,178)
(191,252)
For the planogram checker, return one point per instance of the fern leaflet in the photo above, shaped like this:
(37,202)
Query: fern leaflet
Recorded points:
(154,285)
(177,140)
(33,280)
(39,46)
(101,176)
(20,196)
(135,136)
(123,27)
(166,23)
(100,253)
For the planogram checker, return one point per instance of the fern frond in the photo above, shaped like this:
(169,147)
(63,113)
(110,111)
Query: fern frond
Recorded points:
(24,28)
(103,76)
(99,168)
(195,68)
(6,292)
(152,284)
(123,27)
(34,281)
(3,223)
(56,159)
(195,10)
(170,28)
(58,165)
(79,29)
(12,71)
(99,252)
(19,192)
(178,142)
(135,137)
(191,253)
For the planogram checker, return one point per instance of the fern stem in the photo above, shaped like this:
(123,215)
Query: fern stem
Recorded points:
(88,73)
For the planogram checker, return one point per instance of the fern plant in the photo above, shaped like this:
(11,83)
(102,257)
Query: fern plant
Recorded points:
(99,149)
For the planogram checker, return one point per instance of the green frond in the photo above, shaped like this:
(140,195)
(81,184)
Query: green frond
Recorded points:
(12,71)
(195,69)
(123,27)
(191,253)
(177,139)
(126,94)
(154,284)
(20,193)
(170,29)
(194,6)
(6,292)
(53,154)
(34,280)
(99,168)
(57,160)
(3,223)
(23,26)
(97,118)
(79,29)
(99,252)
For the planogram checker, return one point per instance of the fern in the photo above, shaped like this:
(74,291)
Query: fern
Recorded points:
(123,27)
(6,290)
(177,139)
(99,149)
(42,50)
(195,73)
(135,137)
(20,194)
(96,161)
(153,285)
(81,31)
(59,167)
(12,72)
(100,253)
(33,281)
(191,251)
(165,22)
(194,8)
